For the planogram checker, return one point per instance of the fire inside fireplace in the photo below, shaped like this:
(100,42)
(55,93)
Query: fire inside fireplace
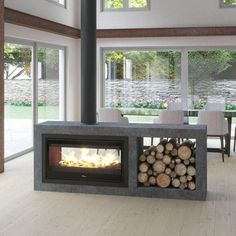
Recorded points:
(86,160)
(86,157)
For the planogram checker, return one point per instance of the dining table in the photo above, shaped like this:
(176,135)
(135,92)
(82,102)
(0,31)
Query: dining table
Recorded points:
(229,115)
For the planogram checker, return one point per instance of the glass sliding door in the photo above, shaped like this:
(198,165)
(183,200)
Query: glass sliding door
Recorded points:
(18,79)
(50,84)
(141,81)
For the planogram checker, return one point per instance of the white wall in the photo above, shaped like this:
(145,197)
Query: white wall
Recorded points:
(170,13)
(72,59)
(163,13)
(42,8)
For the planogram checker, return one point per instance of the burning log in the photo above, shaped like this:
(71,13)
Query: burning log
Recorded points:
(168,164)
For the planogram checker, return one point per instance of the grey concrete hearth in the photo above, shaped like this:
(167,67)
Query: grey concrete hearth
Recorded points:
(134,132)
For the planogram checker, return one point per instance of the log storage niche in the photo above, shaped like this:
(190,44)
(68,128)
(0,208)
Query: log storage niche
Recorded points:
(169,164)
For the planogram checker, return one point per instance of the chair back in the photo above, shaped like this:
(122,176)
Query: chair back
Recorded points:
(215,106)
(215,121)
(170,117)
(176,106)
(111,115)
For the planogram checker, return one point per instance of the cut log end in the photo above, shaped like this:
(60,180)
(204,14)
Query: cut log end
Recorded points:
(163,180)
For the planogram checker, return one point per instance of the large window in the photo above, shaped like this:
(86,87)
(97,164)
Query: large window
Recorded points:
(141,80)
(125,4)
(32,94)
(228,3)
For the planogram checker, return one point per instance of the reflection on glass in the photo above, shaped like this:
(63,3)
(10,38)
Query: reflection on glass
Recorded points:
(61,2)
(229,2)
(138,3)
(212,78)
(113,4)
(50,84)
(17,98)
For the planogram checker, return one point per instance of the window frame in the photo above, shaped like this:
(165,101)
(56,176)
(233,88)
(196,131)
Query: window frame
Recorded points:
(125,7)
(223,5)
(58,4)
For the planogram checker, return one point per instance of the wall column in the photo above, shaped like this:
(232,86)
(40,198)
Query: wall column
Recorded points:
(1,86)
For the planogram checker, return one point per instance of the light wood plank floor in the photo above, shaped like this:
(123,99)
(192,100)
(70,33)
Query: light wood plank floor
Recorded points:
(28,213)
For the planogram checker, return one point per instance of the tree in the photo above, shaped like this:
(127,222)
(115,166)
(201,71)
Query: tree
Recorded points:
(230,2)
(19,57)
(138,3)
(113,4)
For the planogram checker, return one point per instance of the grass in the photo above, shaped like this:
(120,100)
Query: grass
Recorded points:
(52,112)
(25,112)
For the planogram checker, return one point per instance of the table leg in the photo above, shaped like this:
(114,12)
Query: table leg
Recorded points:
(228,137)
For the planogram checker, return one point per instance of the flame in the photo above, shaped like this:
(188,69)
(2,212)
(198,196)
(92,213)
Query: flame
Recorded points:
(90,157)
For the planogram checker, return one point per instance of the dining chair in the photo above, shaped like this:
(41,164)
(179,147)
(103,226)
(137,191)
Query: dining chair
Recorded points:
(178,106)
(216,126)
(169,117)
(234,137)
(111,115)
(215,106)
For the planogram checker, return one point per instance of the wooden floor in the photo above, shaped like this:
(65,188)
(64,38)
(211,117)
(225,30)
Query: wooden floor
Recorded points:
(27,213)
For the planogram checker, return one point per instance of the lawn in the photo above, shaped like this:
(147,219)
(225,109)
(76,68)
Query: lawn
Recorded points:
(25,112)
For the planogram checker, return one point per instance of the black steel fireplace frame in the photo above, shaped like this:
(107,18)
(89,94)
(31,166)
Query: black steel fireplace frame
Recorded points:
(85,176)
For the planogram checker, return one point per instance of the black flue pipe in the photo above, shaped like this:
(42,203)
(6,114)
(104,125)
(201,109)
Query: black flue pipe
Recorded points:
(88,61)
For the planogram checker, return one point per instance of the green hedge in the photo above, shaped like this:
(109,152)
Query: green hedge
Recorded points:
(163,105)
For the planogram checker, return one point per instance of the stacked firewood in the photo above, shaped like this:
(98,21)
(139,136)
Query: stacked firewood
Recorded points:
(169,164)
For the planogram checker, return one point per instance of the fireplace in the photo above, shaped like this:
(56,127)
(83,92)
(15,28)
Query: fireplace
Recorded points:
(90,160)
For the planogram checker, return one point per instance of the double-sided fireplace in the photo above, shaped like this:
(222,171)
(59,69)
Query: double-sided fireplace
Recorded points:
(90,160)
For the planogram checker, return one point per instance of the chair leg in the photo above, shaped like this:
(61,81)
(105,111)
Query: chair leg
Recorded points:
(152,139)
(222,148)
(234,138)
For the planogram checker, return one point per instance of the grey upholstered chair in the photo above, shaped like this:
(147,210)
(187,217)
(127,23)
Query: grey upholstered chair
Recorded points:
(111,115)
(170,117)
(216,126)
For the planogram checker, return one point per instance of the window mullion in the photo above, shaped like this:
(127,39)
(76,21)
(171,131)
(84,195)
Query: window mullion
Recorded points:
(126,4)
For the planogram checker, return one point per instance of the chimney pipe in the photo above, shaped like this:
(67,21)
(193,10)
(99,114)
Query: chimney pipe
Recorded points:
(88,61)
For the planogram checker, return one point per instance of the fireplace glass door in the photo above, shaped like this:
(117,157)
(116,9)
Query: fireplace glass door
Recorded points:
(87,160)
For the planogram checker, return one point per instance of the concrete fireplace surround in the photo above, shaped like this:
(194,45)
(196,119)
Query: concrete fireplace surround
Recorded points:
(133,132)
